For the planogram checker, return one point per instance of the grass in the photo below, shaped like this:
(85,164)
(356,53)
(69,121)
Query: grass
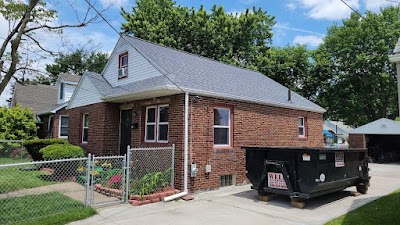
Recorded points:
(13,179)
(49,208)
(384,210)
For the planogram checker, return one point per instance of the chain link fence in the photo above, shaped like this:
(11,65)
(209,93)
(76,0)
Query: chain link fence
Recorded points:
(107,180)
(151,170)
(35,190)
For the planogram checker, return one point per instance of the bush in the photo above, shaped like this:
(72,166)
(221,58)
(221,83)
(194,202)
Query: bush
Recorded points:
(17,123)
(33,146)
(61,151)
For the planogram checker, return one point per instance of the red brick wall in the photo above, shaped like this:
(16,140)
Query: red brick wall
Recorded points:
(103,128)
(253,125)
(56,121)
(357,141)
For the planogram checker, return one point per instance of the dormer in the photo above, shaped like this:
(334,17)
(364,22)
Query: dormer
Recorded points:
(66,84)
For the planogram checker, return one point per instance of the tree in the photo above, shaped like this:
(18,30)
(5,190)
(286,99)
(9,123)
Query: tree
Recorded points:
(360,82)
(289,66)
(26,19)
(17,123)
(77,62)
(235,39)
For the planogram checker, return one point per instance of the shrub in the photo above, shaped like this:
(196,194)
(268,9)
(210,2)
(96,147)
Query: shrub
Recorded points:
(33,146)
(61,151)
(17,123)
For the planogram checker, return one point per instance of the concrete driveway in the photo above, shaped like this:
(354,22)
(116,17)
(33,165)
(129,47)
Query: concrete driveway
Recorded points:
(239,205)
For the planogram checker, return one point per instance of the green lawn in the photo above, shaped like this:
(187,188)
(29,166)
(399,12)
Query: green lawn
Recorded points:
(13,179)
(49,208)
(384,210)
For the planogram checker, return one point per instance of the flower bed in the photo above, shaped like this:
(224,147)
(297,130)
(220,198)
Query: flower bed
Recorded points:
(138,200)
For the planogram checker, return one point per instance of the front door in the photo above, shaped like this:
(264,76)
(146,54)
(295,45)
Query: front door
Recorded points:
(125,132)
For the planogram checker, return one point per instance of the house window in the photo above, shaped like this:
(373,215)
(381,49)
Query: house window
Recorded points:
(157,124)
(61,90)
(302,127)
(222,129)
(85,127)
(63,127)
(226,180)
(123,66)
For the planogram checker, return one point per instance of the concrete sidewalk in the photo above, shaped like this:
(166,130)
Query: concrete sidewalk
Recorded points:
(239,205)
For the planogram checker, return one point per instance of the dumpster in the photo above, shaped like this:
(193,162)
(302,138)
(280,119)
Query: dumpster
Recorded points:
(303,173)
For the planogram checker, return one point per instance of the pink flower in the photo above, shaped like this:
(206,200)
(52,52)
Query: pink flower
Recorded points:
(115,179)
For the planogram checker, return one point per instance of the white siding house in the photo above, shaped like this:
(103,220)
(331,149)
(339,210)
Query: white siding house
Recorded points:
(87,94)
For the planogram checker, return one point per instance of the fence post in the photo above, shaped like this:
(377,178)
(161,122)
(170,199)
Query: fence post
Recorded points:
(123,198)
(87,183)
(173,166)
(128,170)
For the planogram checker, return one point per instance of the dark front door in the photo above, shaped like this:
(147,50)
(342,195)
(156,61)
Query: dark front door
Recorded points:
(125,132)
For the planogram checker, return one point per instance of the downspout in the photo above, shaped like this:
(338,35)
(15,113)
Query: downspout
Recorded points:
(185,154)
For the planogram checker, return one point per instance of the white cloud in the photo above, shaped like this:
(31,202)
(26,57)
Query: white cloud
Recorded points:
(328,9)
(114,3)
(375,5)
(286,26)
(311,40)
(291,6)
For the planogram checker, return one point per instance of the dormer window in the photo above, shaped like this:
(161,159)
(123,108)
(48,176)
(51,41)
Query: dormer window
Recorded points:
(123,65)
(61,91)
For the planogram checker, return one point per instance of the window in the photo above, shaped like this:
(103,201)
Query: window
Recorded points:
(63,127)
(123,66)
(157,124)
(85,127)
(61,90)
(222,126)
(226,180)
(302,127)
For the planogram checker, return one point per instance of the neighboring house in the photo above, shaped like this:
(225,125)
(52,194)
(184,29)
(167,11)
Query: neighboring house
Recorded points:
(338,129)
(48,102)
(383,134)
(146,91)
(55,118)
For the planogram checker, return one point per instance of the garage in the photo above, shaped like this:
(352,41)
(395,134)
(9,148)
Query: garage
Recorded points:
(381,137)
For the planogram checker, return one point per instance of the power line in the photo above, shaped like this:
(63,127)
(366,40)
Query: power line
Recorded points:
(120,35)
(353,9)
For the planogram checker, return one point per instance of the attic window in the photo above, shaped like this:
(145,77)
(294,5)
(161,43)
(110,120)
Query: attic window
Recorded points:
(123,65)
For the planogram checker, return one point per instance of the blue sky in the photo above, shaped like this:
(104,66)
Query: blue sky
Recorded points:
(297,22)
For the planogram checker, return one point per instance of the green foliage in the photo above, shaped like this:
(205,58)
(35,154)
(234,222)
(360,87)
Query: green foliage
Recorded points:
(397,119)
(17,123)
(77,62)
(61,151)
(151,182)
(359,85)
(234,39)
(33,146)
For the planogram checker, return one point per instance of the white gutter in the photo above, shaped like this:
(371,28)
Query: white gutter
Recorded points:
(185,153)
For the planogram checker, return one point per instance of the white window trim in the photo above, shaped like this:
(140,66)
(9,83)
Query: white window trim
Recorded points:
(150,123)
(161,123)
(221,126)
(83,126)
(304,127)
(59,126)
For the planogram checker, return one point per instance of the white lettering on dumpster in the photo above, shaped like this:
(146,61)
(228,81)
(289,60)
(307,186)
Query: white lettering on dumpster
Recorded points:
(276,180)
(339,159)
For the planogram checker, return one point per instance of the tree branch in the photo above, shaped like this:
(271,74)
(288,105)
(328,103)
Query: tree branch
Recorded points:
(41,47)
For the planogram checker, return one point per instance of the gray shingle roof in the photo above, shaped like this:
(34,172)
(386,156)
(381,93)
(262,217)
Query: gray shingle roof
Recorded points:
(69,77)
(204,76)
(381,126)
(38,97)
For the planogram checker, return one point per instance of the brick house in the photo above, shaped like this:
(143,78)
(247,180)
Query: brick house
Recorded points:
(48,103)
(149,95)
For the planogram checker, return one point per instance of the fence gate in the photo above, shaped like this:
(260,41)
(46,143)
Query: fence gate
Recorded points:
(149,170)
(106,183)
